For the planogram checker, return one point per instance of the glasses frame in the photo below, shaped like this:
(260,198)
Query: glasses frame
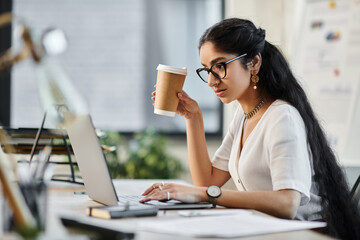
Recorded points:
(209,70)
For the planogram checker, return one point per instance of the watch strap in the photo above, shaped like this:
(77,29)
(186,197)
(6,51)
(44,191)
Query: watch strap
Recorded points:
(212,201)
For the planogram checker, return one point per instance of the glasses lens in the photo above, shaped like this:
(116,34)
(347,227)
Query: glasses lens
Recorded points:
(219,70)
(204,75)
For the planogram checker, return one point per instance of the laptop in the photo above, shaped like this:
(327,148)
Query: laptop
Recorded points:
(95,173)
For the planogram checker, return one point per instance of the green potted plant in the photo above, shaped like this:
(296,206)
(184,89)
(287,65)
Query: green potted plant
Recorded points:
(142,157)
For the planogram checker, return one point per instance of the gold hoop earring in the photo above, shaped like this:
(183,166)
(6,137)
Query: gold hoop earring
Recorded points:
(254,80)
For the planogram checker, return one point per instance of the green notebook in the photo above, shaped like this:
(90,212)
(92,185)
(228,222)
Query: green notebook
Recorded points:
(119,211)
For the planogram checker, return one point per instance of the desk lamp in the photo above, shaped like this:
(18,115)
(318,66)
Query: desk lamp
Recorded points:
(58,95)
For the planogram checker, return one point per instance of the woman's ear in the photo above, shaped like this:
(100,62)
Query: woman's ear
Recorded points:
(256,63)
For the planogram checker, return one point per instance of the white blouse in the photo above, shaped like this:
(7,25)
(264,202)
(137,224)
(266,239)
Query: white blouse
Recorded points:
(275,156)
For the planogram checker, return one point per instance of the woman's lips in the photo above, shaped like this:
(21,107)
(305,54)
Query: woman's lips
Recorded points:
(220,92)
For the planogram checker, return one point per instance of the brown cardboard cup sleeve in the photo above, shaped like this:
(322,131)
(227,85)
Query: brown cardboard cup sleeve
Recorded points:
(170,81)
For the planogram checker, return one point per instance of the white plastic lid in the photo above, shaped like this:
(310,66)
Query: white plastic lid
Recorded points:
(163,112)
(176,70)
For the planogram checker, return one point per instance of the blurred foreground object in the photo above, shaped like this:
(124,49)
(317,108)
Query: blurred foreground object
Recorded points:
(58,96)
(57,92)
(21,213)
(5,18)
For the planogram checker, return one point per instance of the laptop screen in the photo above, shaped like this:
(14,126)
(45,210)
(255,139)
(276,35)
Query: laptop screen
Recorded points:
(91,159)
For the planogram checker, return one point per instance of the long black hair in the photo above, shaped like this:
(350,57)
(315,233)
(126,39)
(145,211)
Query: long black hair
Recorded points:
(239,36)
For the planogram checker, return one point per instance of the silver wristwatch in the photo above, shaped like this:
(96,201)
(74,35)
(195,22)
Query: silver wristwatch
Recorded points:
(213,193)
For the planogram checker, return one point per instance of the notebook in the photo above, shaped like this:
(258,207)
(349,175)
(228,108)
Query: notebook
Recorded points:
(95,173)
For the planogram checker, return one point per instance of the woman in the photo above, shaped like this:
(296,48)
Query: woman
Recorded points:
(275,150)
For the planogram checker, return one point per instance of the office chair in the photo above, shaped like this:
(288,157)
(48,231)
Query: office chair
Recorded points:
(355,192)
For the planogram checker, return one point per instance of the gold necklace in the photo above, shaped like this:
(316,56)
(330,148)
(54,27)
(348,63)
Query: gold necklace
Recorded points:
(256,108)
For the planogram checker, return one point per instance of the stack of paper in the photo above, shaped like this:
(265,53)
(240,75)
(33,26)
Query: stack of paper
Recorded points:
(237,224)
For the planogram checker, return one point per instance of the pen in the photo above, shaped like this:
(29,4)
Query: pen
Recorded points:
(41,163)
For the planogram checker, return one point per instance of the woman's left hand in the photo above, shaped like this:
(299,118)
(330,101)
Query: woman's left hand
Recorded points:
(166,191)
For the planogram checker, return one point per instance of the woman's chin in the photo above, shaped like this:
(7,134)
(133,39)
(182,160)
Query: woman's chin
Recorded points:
(225,100)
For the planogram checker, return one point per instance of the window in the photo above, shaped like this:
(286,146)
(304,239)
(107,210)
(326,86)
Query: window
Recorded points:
(114,49)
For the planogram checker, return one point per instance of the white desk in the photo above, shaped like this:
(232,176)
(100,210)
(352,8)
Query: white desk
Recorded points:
(61,199)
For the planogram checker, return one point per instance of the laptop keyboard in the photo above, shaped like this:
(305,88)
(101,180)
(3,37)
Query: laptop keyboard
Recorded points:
(134,200)
(129,199)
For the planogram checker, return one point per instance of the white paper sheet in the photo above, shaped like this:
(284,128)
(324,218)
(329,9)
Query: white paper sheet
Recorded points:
(212,212)
(226,226)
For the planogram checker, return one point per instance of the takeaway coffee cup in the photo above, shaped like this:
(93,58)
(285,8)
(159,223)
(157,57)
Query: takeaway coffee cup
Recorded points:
(170,81)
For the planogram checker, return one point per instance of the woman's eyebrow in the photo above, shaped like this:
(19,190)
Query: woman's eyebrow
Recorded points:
(214,61)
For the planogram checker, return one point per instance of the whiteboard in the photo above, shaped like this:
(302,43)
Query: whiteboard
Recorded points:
(328,65)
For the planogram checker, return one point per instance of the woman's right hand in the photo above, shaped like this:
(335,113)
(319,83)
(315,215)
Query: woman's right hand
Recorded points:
(187,107)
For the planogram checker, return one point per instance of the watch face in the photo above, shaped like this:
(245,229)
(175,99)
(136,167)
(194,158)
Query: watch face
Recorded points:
(214,191)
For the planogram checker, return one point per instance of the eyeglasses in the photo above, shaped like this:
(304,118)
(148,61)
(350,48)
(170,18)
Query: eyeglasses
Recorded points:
(217,69)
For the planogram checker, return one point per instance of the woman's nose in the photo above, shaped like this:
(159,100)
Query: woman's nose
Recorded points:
(212,80)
